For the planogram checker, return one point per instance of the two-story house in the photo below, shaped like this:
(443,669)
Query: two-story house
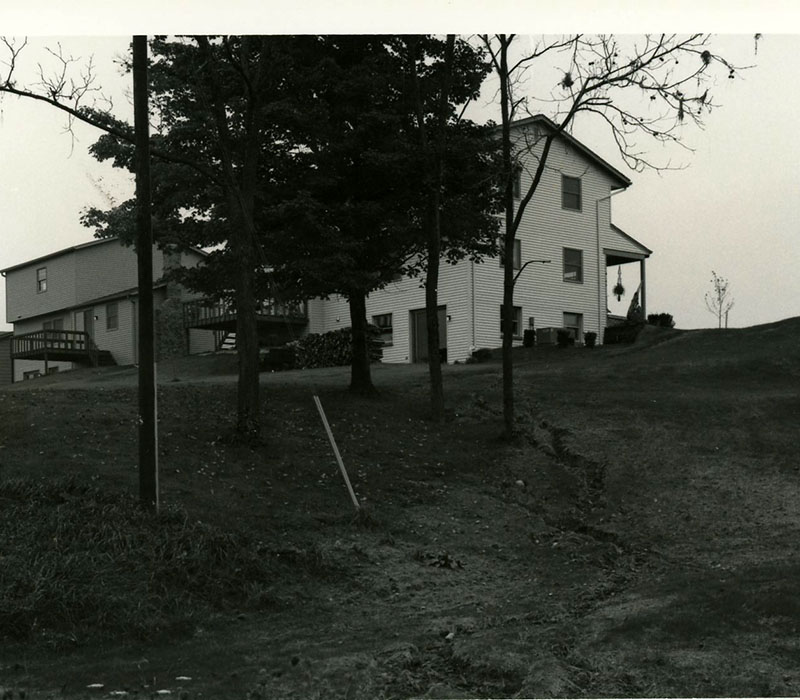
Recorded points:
(78,306)
(567,225)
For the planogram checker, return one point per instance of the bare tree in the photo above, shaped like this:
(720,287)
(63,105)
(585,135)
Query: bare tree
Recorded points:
(638,86)
(719,301)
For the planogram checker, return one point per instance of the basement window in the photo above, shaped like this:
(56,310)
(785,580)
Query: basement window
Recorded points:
(573,323)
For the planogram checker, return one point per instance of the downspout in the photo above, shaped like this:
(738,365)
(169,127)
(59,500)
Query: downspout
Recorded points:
(602,301)
(472,297)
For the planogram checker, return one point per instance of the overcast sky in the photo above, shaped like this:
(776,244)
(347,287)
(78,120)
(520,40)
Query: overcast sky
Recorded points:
(732,209)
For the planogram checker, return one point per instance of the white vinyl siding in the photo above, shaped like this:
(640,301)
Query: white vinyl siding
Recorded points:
(398,299)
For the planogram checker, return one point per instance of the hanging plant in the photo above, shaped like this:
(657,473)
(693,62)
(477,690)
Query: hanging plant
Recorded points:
(618,289)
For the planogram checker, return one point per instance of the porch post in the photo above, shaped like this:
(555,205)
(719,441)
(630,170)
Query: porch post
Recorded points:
(644,287)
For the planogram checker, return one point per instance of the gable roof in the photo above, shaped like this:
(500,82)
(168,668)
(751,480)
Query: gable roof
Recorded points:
(56,254)
(644,249)
(541,120)
(72,249)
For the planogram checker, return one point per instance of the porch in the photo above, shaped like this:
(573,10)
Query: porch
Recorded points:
(277,323)
(59,346)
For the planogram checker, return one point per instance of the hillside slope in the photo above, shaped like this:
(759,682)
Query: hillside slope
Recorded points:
(639,539)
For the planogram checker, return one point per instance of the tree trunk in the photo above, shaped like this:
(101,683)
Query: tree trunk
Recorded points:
(432,322)
(248,414)
(508,242)
(508,339)
(360,375)
(148,395)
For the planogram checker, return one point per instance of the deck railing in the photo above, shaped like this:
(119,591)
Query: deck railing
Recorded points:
(42,343)
(202,311)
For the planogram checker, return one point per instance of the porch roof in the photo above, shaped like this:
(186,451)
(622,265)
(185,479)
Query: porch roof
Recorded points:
(635,250)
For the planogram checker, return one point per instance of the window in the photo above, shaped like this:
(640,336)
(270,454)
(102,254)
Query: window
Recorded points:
(56,324)
(574,324)
(41,280)
(112,316)
(571,192)
(573,265)
(516,321)
(517,184)
(384,324)
(517,255)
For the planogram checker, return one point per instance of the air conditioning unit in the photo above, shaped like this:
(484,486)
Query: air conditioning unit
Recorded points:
(547,336)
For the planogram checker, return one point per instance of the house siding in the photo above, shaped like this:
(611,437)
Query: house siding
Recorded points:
(400,298)
(6,376)
(22,298)
(109,268)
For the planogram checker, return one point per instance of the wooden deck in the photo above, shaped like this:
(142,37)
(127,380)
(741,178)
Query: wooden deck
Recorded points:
(277,323)
(59,346)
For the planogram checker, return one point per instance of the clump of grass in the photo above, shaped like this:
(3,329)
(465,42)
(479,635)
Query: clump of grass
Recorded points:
(78,563)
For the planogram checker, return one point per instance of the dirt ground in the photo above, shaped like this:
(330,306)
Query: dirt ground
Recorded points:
(638,540)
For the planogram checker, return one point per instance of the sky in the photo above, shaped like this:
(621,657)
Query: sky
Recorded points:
(732,208)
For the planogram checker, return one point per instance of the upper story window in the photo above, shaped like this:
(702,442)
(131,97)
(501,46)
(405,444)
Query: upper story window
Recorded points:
(571,192)
(112,316)
(573,265)
(41,280)
(517,255)
(517,184)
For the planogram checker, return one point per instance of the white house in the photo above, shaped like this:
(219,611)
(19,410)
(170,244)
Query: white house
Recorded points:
(567,223)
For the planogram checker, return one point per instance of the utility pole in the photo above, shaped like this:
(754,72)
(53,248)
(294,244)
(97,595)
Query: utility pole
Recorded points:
(148,410)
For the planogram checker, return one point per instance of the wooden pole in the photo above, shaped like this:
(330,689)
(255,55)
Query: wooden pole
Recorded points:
(148,423)
(336,453)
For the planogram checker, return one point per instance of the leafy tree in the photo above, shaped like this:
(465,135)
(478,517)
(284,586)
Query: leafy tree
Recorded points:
(719,301)
(460,169)
(645,86)
(222,111)
(361,209)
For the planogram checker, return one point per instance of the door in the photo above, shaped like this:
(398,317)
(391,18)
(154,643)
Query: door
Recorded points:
(88,322)
(419,335)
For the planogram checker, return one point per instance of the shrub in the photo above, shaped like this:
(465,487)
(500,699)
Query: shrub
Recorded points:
(624,333)
(564,339)
(481,355)
(528,338)
(333,349)
(661,320)
(590,339)
(279,358)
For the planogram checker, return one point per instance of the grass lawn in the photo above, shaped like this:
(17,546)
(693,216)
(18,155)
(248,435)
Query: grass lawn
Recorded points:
(639,539)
